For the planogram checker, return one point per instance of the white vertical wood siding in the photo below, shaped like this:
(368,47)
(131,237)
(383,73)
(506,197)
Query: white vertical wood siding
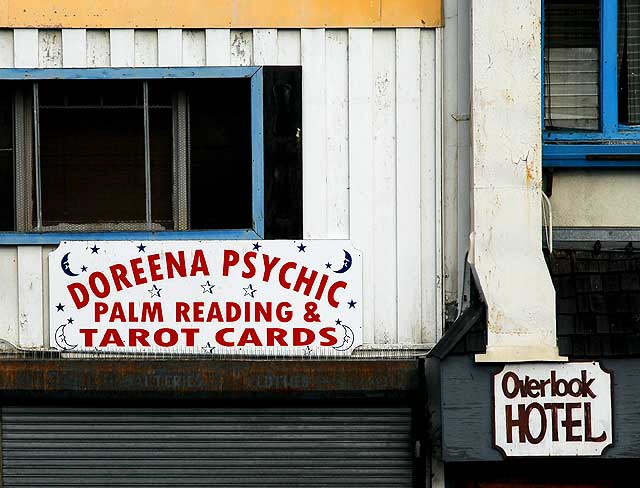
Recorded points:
(371,139)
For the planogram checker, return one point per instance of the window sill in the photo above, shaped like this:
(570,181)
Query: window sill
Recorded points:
(591,155)
(625,135)
(54,238)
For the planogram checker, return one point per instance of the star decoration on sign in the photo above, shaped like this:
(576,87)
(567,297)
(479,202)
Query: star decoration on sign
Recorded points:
(249,291)
(155,291)
(328,265)
(207,287)
(208,348)
(338,322)
(301,247)
(94,249)
(60,307)
(84,269)
(141,247)
(70,320)
(352,304)
(256,246)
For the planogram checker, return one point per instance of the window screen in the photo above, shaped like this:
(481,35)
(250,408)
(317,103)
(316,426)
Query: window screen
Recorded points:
(93,139)
(629,62)
(185,152)
(92,155)
(571,64)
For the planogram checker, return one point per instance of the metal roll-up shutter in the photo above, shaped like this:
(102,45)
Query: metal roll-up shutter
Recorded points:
(197,447)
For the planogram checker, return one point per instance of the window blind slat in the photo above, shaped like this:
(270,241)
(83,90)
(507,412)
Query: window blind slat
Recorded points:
(571,64)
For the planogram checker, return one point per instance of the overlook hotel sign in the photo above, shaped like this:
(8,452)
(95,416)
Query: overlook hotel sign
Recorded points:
(547,409)
(212,297)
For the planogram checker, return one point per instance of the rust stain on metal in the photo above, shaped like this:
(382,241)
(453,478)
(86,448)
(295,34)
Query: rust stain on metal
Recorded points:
(200,376)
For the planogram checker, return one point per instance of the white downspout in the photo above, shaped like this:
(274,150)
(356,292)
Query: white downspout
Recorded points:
(506,240)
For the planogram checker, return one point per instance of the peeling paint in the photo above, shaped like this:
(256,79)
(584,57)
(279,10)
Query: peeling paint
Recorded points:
(507,256)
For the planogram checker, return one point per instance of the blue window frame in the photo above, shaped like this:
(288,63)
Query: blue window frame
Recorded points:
(255,74)
(613,144)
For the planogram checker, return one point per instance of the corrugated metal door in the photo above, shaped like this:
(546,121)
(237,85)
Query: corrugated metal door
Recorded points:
(132,447)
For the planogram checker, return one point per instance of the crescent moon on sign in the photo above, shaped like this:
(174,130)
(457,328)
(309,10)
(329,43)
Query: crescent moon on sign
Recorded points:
(61,339)
(347,342)
(347,262)
(64,264)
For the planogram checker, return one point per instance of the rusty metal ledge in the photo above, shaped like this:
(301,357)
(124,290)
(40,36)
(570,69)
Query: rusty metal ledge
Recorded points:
(210,379)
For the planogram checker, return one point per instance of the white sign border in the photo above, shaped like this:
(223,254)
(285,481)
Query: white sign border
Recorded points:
(505,455)
(248,351)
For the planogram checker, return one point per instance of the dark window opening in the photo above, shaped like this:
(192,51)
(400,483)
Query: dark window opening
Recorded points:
(171,154)
(220,155)
(91,155)
(7,177)
(106,121)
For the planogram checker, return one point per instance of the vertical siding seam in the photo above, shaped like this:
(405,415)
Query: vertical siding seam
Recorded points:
(122,47)
(360,147)
(314,176)
(348,129)
(417,327)
(385,184)
(217,47)
(50,48)
(98,54)
(169,47)
(337,116)
(193,47)
(145,48)
(324,142)
(6,48)
(439,159)
(74,48)
(395,163)
(25,48)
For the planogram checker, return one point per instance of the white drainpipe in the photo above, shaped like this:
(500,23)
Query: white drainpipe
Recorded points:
(506,248)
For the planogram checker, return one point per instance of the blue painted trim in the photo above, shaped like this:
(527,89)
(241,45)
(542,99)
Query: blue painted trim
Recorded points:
(257,152)
(127,73)
(575,150)
(20,238)
(575,155)
(609,66)
(583,163)
(572,136)
(257,146)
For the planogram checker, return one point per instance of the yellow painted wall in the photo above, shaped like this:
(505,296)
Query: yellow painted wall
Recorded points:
(220,13)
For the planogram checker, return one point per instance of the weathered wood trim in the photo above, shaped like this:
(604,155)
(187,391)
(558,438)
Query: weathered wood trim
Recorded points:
(215,378)
(229,13)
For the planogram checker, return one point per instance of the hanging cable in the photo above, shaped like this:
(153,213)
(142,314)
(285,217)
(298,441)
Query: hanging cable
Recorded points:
(547,220)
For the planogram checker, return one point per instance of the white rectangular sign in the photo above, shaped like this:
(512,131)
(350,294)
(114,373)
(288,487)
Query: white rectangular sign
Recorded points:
(552,409)
(260,297)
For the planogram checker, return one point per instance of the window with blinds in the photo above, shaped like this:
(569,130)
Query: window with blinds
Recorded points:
(629,62)
(571,64)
